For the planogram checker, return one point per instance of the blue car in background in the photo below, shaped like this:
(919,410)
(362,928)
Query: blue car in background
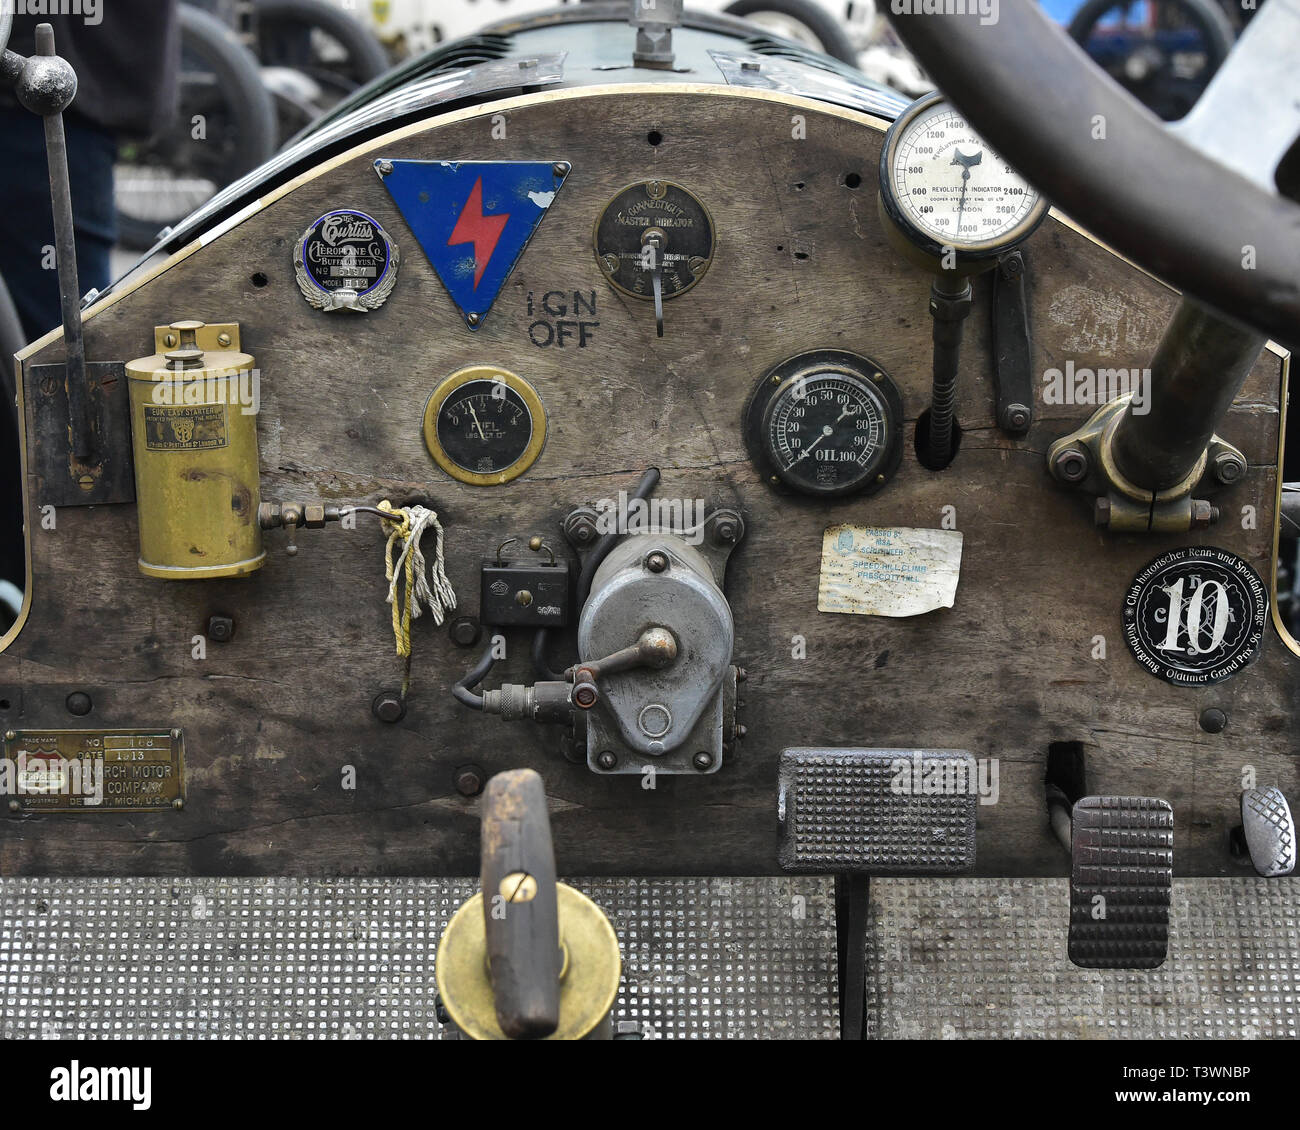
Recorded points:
(1164,52)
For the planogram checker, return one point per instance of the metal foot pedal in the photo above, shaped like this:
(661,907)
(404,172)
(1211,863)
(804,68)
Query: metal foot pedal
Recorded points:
(1122,850)
(877,811)
(1269,830)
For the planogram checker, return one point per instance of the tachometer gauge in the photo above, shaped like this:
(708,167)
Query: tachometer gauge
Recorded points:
(483,425)
(945,191)
(826,423)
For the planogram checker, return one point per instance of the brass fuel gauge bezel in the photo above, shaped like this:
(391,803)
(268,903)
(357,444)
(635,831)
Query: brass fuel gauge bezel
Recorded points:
(494,374)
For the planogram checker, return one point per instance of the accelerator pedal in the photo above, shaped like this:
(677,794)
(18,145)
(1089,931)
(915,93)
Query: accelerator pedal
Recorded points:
(1122,851)
(1269,830)
(877,811)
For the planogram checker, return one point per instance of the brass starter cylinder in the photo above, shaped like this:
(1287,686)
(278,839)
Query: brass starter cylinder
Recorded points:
(194,434)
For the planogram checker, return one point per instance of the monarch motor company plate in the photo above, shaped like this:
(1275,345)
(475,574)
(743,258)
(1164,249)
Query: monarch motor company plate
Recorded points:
(88,771)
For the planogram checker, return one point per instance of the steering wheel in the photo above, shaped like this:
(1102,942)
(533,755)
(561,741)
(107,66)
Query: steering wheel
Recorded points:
(1196,202)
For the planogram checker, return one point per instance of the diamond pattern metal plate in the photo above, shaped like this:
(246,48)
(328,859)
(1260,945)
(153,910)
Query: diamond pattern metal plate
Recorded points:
(353,958)
(986,958)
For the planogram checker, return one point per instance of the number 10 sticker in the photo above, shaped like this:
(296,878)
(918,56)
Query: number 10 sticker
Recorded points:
(1196,615)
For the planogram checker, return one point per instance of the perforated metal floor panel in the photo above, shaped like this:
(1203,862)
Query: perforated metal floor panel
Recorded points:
(325,959)
(707,958)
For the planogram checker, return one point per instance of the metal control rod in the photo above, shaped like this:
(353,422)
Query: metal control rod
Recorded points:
(950,302)
(1197,371)
(46,85)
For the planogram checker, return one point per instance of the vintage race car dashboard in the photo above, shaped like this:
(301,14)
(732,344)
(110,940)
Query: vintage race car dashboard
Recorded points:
(636,360)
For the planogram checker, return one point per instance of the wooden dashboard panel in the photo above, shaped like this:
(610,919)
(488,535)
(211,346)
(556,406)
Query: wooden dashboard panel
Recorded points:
(273,719)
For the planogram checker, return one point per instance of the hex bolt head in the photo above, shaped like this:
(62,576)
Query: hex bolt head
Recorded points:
(1017,417)
(1071,465)
(580,527)
(464,631)
(1213,720)
(79,703)
(1101,512)
(606,759)
(702,760)
(1203,514)
(1228,467)
(469,780)
(221,629)
(388,707)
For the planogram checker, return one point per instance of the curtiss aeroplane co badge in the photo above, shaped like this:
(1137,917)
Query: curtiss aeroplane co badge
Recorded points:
(346,261)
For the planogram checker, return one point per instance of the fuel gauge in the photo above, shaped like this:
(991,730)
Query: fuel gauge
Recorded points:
(484,425)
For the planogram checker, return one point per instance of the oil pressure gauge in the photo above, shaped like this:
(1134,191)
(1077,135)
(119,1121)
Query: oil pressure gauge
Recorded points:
(947,194)
(484,425)
(827,424)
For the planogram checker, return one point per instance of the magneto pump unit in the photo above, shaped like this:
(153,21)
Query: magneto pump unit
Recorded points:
(193,408)
(194,435)
(655,685)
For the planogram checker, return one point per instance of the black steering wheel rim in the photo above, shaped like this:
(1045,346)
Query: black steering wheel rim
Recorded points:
(1037,98)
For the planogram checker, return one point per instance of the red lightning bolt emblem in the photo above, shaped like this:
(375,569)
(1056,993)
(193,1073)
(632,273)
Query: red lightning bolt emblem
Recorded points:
(480,230)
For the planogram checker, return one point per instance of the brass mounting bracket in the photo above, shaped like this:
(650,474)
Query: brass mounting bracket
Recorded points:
(1084,459)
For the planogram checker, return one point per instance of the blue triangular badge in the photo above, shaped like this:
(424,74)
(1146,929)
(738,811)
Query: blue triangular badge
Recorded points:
(473,219)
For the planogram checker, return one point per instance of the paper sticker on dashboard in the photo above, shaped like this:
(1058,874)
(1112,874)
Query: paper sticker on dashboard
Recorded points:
(896,571)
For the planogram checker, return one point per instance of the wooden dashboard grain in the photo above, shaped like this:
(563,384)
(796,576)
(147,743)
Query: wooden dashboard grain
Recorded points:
(273,719)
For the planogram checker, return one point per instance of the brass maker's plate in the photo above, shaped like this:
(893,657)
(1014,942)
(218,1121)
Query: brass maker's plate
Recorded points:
(484,425)
(678,222)
(83,771)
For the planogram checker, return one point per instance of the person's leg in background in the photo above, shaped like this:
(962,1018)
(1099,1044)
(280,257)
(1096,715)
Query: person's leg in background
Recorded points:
(27,264)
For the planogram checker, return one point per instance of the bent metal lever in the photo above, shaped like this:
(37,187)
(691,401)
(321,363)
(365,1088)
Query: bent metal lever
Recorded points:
(519,905)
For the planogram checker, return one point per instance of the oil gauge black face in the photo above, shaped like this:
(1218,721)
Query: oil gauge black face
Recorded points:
(827,424)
